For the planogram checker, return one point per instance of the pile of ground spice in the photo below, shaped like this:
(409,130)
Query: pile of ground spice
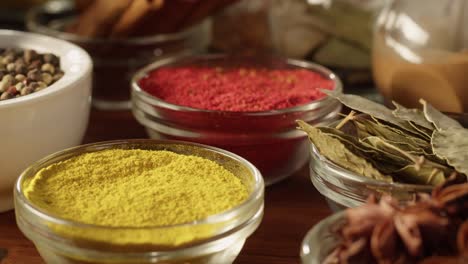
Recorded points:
(135,188)
(235,89)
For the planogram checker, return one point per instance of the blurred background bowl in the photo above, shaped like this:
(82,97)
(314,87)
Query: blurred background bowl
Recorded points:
(115,60)
(268,139)
(421,53)
(46,121)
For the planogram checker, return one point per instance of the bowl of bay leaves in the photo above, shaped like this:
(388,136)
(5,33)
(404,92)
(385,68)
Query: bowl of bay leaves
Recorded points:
(376,150)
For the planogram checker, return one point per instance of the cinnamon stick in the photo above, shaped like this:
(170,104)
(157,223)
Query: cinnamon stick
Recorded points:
(134,14)
(98,19)
(167,19)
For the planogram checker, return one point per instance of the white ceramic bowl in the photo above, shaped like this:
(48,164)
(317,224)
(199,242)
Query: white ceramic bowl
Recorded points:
(43,122)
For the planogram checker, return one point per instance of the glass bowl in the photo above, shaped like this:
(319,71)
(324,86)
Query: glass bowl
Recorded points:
(345,189)
(268,139)
(115,60)
(421,53)
(321,240)
(65,241)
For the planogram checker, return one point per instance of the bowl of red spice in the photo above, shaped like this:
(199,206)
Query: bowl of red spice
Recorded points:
(242,104)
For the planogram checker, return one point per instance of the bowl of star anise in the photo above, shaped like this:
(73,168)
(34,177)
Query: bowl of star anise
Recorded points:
(430,230)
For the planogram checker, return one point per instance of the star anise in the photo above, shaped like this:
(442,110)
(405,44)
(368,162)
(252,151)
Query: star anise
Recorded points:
(433,229)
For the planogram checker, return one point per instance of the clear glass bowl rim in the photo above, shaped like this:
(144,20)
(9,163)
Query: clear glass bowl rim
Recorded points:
(340,172)
(306,246)
(33,25)
(139,92)
(256,193)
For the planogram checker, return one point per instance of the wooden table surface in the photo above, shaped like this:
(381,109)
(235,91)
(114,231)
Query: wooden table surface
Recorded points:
(292,207)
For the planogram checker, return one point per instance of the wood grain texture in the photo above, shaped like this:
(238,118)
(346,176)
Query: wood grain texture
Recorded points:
(292,207)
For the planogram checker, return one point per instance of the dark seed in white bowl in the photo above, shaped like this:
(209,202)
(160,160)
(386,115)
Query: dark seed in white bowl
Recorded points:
(23,72)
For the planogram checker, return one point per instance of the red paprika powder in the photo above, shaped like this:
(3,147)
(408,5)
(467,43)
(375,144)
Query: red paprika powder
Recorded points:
(235,89)
(253,102)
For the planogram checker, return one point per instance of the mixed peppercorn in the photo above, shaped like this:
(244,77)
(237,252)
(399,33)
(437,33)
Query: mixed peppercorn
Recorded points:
(23,72)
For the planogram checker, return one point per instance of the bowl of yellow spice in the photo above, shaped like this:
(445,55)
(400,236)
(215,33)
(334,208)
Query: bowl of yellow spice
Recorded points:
(140,201)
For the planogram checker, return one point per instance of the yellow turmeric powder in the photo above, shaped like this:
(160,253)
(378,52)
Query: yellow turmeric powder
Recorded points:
(136,188)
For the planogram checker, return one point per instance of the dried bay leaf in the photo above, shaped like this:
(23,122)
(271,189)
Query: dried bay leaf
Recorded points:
(414,148)
(383,155)
(389,147)
(414,133)
(415,116)
(439,120)
(431,157)
(369,107)
(334,150)
(416,151)
(349,129)
(412,171)
(382,145)
(416,119)
(378,112)
(404,145)
(393,160)
(350,140)
(422,132)
(368,128)
(452,145)
(383,161)
(421,175)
